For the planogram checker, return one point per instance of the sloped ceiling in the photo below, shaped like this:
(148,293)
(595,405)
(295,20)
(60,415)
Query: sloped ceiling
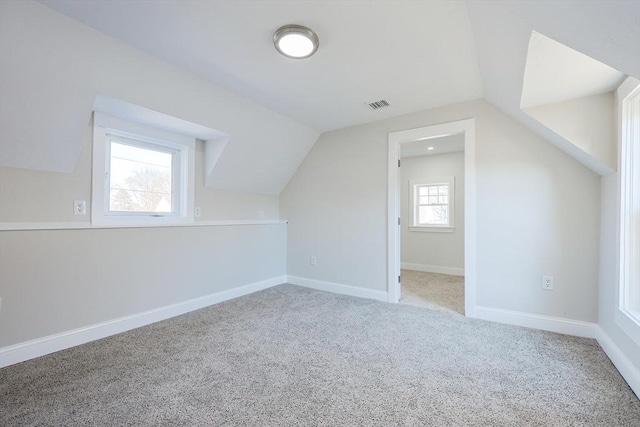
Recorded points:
(608,31)
(556,73)
(53,70)
(414,54)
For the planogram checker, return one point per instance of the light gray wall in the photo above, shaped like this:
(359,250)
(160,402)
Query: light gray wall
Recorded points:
(433,249)
(55,281)
(39,196)
(586,122)
(58,280)
(538,213)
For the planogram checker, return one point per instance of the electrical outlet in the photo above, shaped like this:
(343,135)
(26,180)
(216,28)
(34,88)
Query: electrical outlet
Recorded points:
(313,260)
(197,212)
(79,207)
(547,283)
(261,214)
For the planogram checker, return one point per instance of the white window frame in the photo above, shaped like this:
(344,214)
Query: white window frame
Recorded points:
(629,231)
(183,147)
(414,186)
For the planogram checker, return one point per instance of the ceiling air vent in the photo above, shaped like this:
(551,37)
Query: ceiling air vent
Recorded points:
(378,104)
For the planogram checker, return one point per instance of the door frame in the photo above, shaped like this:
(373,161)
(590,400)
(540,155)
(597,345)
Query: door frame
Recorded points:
(467,127)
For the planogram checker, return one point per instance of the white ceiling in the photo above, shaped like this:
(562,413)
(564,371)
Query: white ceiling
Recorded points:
(608,31)
(442,145)
(414,54)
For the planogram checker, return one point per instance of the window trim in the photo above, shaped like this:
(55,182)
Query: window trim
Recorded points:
(626,319)
(413,198)
(105,126)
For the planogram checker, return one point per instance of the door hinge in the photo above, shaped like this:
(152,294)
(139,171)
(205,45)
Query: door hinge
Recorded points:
(398,162)
(398,279)
(398,220)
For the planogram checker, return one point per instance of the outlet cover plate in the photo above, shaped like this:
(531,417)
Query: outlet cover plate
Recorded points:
(79,207)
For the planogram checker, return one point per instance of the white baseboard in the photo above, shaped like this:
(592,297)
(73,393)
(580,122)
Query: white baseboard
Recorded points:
(629,372)
(432,269)
(338,288)
(546,323)
(39,347)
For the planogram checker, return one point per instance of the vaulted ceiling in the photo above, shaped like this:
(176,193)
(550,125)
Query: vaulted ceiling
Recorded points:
(414,54)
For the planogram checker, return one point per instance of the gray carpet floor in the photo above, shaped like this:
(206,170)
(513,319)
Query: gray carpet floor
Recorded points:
(432,290)
(291,356)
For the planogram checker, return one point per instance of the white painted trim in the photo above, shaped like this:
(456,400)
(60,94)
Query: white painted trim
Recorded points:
(18,226)
(41,346)
(628,155)
(627,369)
(433,269)
(629,372)
(576,328)
(105,125)
(431,229)
(338,288)
(393,228)
(627,324)
(467,127)
(450,181)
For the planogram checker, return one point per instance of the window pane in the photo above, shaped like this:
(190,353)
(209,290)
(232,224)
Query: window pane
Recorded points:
(433,190)
(433,200)
(424,200)
(423,190)
(443,200)
(433,215)
(140,179)
(443,190)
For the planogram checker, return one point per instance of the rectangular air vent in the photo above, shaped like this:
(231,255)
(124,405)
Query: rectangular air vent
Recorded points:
(378,104)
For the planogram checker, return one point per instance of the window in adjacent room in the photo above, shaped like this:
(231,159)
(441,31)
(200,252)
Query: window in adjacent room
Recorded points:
(142,175)
(431,204)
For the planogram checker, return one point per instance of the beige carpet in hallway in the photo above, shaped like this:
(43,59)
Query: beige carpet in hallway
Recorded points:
(431,290)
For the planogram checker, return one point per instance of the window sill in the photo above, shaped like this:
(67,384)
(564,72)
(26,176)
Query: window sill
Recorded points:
(426,229)
(20,226)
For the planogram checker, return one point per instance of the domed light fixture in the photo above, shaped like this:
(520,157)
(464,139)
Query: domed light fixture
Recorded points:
(295,41)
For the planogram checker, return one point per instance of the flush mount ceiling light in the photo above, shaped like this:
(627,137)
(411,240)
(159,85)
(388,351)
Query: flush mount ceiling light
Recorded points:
(430,148)
(295,41)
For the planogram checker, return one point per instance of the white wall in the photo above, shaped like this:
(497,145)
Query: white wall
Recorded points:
(538,213)
(429,251)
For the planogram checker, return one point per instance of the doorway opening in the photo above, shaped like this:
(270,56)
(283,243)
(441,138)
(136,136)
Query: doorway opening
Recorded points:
(434,212)
(432,223)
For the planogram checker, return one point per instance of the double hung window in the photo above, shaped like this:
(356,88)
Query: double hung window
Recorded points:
(432,204)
